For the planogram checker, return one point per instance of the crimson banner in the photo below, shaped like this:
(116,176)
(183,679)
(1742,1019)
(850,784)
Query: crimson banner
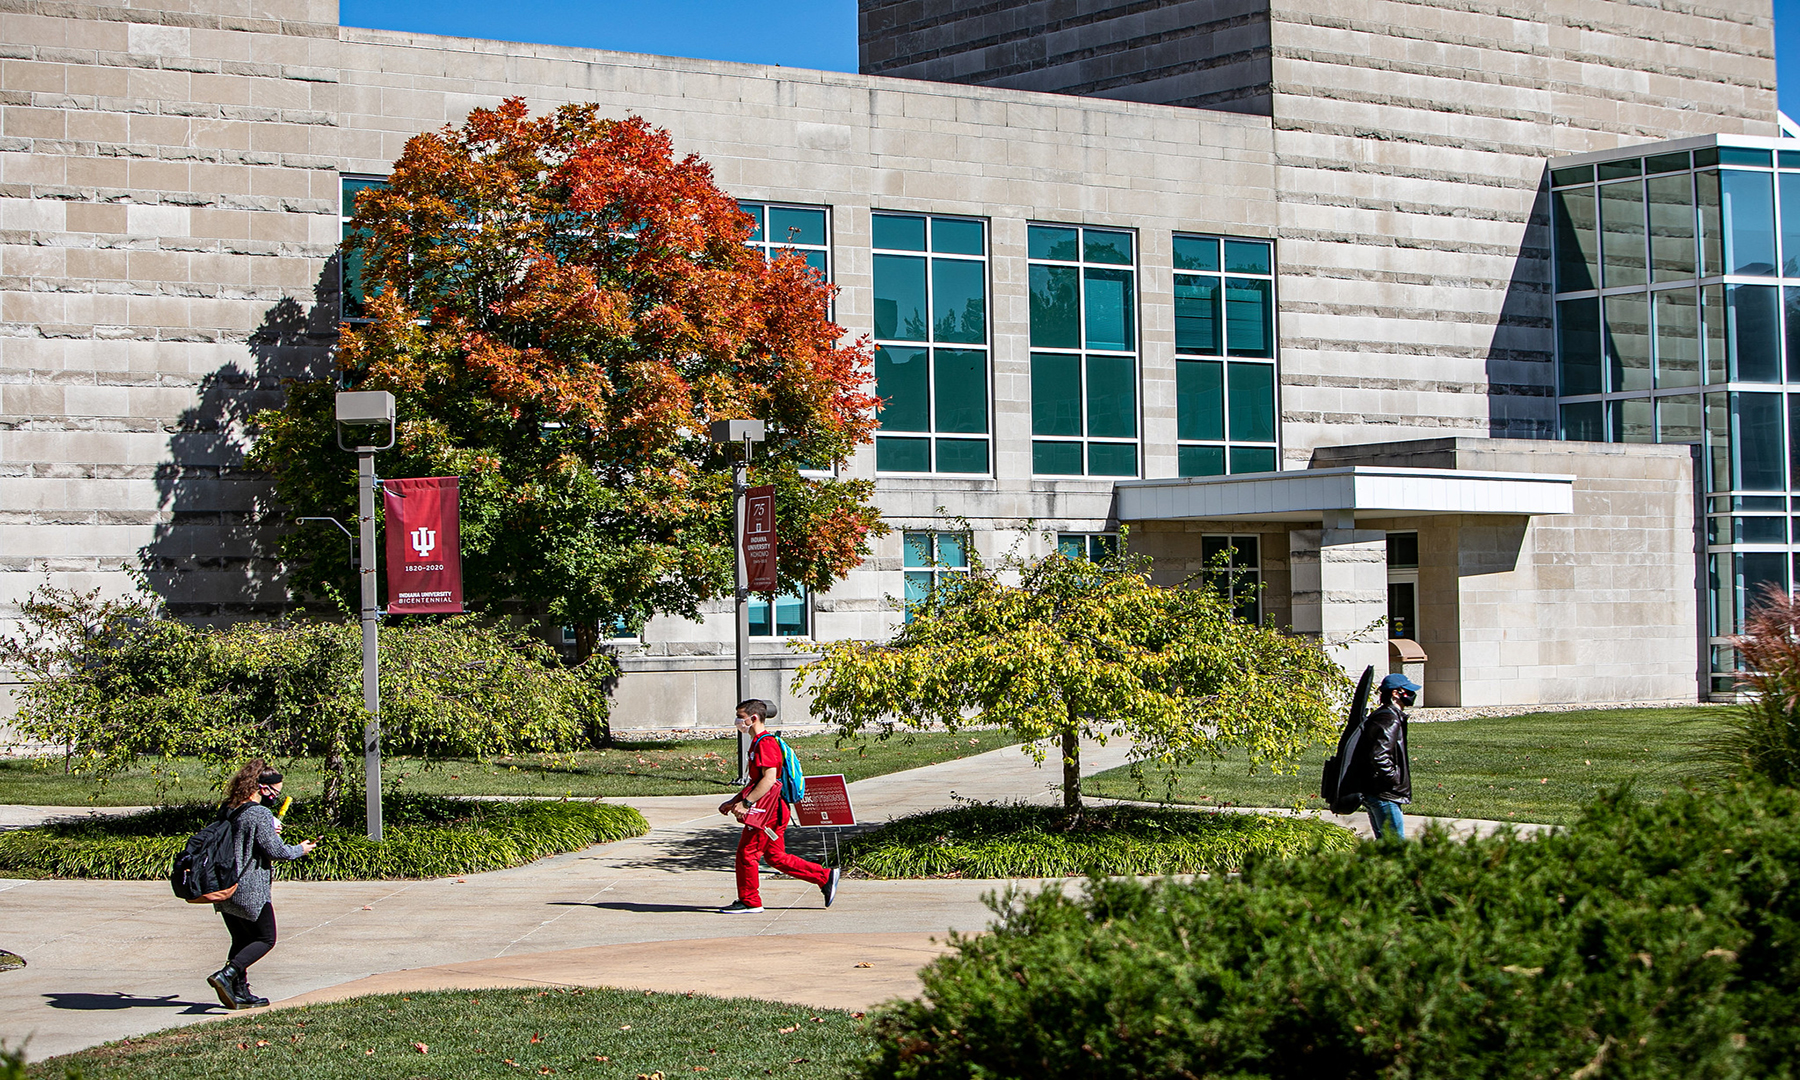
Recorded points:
(424,545)
(759,538)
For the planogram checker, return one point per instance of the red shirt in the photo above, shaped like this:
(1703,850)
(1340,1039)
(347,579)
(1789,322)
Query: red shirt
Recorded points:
(765,753)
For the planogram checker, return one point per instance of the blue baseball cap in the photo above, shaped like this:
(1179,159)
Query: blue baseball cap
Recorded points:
(1398,681)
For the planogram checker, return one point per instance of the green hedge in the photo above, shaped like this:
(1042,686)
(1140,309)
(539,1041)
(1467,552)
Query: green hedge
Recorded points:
(422,837)
(1016,841)
(1647,941)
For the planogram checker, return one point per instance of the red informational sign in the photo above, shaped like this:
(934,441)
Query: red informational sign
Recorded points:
(759,538)
(424,545)
(827,803)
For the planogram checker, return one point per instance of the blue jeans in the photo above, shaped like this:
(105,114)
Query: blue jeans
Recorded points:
(1384,818)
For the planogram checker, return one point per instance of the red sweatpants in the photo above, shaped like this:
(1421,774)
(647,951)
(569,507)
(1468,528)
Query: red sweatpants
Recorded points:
(754,845)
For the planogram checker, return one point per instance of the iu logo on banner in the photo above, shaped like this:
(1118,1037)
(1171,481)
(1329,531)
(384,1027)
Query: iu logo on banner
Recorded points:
(424,545)
(759,538)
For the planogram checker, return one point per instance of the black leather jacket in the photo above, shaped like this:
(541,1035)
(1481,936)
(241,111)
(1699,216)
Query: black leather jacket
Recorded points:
(1385,771)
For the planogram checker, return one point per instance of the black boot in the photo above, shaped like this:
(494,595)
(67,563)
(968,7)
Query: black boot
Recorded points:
(225,982)
(246,999)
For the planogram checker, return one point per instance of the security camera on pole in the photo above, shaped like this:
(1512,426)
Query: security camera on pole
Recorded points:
(366,413)
(751,570)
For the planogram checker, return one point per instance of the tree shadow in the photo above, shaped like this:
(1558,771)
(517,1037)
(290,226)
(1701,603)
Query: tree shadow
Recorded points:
(716,849)
(1521,359)
(214,554)
(83,1002)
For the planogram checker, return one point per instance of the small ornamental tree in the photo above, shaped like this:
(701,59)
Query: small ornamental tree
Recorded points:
(1086,649)
(560,307)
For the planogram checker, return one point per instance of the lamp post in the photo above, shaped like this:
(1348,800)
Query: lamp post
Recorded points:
(364,412)
(747,432)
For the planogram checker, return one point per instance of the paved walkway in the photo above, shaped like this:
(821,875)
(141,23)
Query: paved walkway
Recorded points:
(114,959)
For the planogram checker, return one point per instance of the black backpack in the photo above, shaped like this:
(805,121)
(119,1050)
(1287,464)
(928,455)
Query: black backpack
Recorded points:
(206,871)
(1337,786)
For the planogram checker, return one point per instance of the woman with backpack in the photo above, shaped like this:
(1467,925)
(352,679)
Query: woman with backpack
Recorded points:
(249,915)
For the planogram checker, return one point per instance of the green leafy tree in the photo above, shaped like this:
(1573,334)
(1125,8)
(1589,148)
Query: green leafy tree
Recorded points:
(560,307)
(113,683)
(1079,649)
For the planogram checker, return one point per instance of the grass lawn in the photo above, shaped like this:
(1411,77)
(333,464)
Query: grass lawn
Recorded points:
(689,767)
(510,1033)
(1536,767)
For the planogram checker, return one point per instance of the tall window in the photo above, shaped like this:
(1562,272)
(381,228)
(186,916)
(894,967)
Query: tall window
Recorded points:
(1403,585)
(930,559)
(1677,314)
(931,351)
(1084,402)
(1234,568)
(352,288)
(1224,309)
(803,230)
(787,617)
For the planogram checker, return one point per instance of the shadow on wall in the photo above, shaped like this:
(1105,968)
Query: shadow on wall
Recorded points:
(214,555)
(1521,360)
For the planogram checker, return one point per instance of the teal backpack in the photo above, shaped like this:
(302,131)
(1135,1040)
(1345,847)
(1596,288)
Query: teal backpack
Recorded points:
(793,781)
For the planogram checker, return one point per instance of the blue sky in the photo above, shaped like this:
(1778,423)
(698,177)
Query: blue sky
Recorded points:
(794,33)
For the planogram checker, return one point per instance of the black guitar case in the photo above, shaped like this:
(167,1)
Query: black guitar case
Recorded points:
(1335,784)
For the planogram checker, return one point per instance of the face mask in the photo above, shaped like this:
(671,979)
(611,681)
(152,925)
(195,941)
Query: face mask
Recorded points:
(1405,698)
(745,723)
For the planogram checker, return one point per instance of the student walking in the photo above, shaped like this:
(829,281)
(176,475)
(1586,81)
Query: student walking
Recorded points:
(1386,771)
(765,816)
(249,914)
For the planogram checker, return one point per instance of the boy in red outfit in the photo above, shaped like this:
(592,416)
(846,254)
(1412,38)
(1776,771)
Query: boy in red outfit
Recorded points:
(765,817)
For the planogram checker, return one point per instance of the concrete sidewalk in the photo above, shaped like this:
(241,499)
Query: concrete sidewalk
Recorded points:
(114,959)
(109,959)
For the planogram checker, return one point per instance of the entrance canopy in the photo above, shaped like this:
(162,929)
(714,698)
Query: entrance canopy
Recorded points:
(1361,492)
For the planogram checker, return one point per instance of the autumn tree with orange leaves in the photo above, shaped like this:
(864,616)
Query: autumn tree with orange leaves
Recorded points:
(560,306)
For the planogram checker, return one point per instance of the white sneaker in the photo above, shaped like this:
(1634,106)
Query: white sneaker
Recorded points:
(738,907)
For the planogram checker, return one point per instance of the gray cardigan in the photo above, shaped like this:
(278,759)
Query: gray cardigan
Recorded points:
(257,844)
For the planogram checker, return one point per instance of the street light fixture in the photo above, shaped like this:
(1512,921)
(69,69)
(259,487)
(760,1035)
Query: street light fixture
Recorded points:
(748,433)
(363,415)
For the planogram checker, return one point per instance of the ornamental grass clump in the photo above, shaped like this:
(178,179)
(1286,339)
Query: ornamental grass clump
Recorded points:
(1019,841)
(1761,737)
(1650,940)
(424,837)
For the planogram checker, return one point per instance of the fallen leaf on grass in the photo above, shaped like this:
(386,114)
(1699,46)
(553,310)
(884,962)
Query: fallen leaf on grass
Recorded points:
(243,1046)
(369,1051)
(420,1047)
(262,1042)
(790,1030)
(624,1027)
(545,1070)
(802,1061)
(536,1038)
(601,1057)
(509,1061)
(856,1016)
(818,1019)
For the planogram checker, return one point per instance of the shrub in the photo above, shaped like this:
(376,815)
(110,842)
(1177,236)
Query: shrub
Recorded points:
(1650,940)
(114,682)
(1762,735)
(422,837)
(987,841)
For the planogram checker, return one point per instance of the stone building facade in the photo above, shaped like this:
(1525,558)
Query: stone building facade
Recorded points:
(1308,238)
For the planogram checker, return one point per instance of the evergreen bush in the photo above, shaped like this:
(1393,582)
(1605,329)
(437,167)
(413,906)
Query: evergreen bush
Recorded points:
(423,837)
(1647,941)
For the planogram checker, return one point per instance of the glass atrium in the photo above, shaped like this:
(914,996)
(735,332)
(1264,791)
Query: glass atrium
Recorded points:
(1677,270)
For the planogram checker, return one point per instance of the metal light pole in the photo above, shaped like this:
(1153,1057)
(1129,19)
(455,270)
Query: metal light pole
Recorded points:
(747,432)
(364,411)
